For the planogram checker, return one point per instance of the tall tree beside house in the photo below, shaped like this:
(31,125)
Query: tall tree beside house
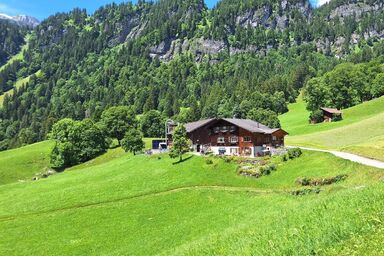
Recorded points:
(117,121)
(152,124)
(180,142)
(133,141)
(264,116)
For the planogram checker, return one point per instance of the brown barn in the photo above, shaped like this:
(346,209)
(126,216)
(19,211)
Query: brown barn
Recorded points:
(330,113)
(224,136)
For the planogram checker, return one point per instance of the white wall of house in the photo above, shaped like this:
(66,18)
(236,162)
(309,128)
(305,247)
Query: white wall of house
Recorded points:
(229,151)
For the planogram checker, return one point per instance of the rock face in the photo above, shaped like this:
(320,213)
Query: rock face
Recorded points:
(21,20)
(278,16)
(356,9)
(266,16)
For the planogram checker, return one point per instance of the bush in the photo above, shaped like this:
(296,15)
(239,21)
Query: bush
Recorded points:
(306,191)
(337,118)
(320,181)
(251,173)
(229,159)
(316,116)
(266,170)
(209,161)
(294,153)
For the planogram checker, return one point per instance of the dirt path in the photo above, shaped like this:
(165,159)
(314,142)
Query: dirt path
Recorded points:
(351,157)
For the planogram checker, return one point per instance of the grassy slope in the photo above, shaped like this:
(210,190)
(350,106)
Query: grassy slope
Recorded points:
(17,85)
(24,163)
(295,121)
(18,56)
(120,204)
(361,131)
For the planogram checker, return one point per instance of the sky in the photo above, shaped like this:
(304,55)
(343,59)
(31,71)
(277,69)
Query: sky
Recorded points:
(41,9)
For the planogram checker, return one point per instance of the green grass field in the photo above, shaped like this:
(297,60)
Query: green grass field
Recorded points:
(24,163)
(361,131)
(295,121)
(119,204)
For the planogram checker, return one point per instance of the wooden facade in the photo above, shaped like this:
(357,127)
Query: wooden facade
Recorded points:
(234,137)
(329,114)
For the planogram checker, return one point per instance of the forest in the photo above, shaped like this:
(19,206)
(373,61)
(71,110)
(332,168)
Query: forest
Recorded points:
(11,40)
(89,63)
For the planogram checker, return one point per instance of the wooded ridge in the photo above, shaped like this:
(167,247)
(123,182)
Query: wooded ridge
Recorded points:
(242,58)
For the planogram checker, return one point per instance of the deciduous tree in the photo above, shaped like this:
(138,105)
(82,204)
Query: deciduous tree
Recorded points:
(133,141)
(180,143)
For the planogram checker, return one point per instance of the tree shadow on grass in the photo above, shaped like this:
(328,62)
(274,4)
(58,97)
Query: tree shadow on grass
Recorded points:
(184,160)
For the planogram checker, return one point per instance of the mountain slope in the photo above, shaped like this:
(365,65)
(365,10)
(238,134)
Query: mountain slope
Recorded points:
(178,57)
(21,20)
(11,40)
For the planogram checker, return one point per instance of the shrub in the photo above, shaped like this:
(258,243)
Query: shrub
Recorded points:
(320,181)
(251,173)
(229,159)
(209,161)
(294,153)
(266,170)
(306,191)
(337,118)
(316,116)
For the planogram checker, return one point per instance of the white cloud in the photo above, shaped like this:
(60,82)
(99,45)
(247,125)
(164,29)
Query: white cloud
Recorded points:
(4,8)
(321,2)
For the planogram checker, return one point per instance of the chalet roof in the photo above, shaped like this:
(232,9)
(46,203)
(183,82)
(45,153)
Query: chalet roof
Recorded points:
(332,110)
(195,125)
(246,124)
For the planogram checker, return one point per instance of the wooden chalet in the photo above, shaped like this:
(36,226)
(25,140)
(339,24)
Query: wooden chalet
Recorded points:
(330,113)
(225,136)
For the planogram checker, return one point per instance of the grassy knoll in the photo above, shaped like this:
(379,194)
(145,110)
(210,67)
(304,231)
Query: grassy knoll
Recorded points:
(146,205)
(24,163)
(370,129)
(295,122)
(361,132)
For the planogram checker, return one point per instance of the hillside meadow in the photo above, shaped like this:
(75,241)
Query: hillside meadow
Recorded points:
(146,205)
(361,131)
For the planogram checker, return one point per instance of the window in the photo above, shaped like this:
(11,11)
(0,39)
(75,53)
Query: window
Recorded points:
(274,138)
(232,129)
(216,129)
(247,139)
(220,140)
(234,151)
(224,128)
(234,139)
